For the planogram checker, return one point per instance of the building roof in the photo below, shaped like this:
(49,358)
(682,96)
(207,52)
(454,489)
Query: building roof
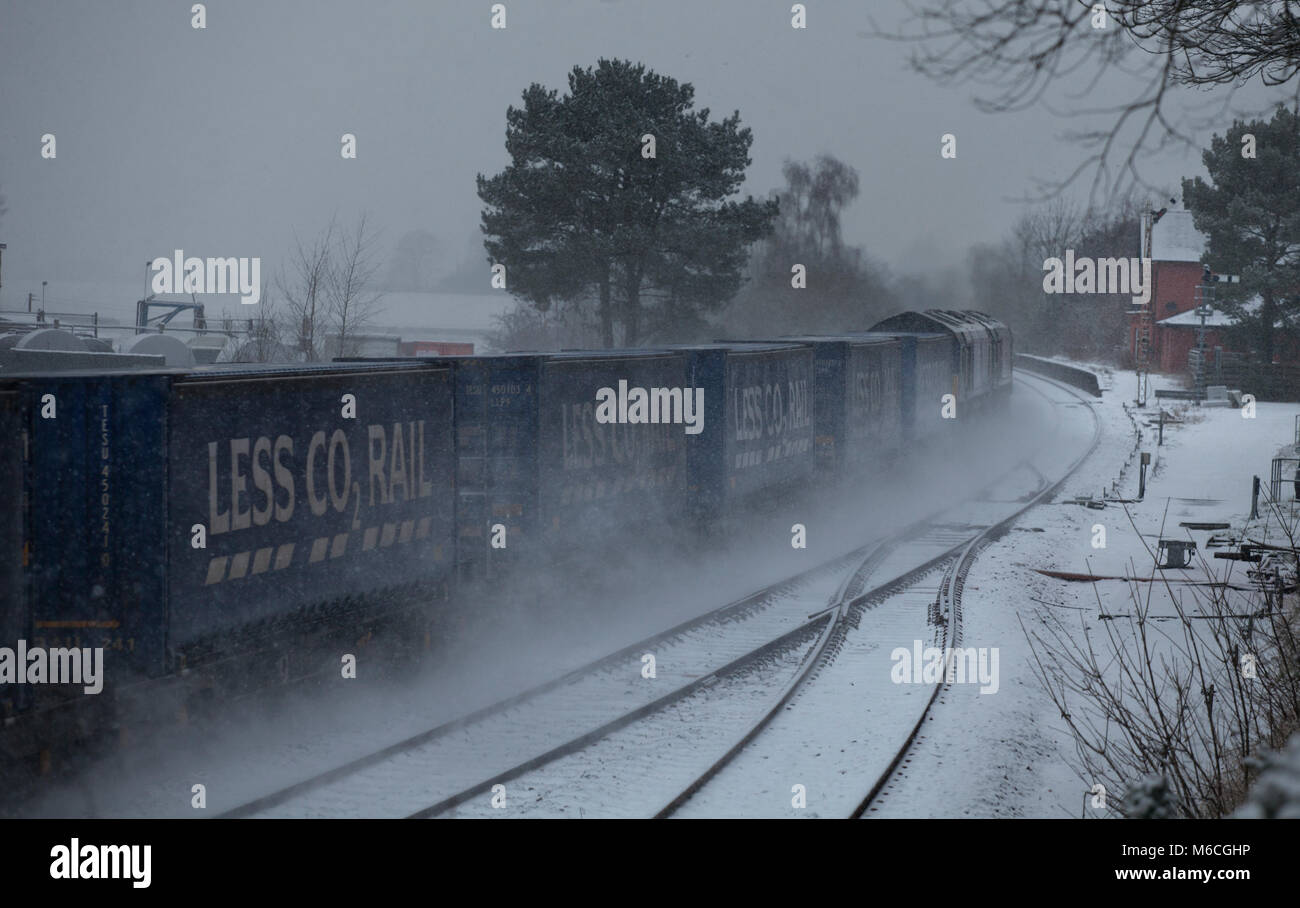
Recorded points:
(1174,238)
(1216,318)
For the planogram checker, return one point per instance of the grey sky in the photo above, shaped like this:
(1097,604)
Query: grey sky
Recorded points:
(226,141)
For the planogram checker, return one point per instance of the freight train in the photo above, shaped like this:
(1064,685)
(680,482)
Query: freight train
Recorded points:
(194,523)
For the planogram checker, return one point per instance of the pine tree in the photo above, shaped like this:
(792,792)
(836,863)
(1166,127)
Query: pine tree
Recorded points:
(1251,214)
(1150,799)
(1276,792)
(582,212)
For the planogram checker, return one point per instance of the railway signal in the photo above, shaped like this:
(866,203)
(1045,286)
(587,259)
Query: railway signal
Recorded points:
(1210,277)
(1205,294)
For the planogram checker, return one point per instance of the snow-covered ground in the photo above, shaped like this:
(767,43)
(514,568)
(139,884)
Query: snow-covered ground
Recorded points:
(1007,755)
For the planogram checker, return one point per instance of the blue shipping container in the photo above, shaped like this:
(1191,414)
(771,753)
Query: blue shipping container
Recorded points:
(303,504)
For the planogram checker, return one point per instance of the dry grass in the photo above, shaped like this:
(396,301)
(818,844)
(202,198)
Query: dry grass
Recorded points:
(1185,683)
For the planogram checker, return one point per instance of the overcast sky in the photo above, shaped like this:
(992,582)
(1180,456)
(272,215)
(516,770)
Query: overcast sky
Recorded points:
(225,141)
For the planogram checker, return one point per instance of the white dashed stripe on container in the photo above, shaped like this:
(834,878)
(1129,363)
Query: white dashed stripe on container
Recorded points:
(262,560)
(238,566)
(251,563)
(239,563)
(340,545)
(318,550)
(284,557)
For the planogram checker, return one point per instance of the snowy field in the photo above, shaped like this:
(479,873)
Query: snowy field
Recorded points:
(1006,755)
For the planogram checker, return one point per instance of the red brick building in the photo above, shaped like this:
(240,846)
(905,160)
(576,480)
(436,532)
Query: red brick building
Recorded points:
(1176,273)
(1176,337)
(1176,269)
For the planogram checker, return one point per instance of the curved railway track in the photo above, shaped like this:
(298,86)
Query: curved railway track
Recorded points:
(951,607)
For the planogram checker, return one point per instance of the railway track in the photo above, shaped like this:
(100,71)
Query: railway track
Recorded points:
(772,643)
(951,607)
(765,677)
(714,645)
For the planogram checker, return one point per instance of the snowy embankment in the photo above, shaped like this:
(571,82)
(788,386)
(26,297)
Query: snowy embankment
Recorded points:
(1012,754)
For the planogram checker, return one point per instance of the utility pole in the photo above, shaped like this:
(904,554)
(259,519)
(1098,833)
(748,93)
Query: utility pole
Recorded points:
(1145,323)
(1205,292)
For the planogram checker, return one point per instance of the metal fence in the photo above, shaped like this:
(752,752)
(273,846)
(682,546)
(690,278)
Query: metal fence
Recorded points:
(1273,381)
(1285,478)
(93,324)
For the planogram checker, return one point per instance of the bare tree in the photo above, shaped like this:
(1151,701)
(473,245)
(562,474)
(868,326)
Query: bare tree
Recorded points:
(262,343)
(305,289)
(1007,278)
(350,281)
(1018,49)
(845,288)
(813,202)
(1170,696)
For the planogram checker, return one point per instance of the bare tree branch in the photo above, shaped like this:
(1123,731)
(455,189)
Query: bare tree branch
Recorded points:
(304,291)
(351,277)
(1016,50)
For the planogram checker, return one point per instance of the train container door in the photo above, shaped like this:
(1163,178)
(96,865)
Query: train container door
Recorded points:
(497,405)
(13,440)
(706,451)
(311,487)
(831,402)
(14,614)
(97,477)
